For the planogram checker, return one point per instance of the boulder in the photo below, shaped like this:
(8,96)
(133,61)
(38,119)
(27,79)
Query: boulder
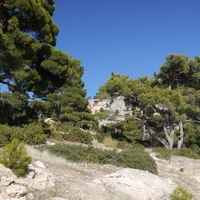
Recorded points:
(39,164)
(16,191)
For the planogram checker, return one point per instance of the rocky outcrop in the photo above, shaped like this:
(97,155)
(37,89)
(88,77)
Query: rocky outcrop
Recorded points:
(12,188)
(116,104)
(119,111)
(96,105)
(103,182)
(137,184)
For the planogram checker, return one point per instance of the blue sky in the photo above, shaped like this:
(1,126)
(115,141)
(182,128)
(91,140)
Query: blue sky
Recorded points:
(130,37)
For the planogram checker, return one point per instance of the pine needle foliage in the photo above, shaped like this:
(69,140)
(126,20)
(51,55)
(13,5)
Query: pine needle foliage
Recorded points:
(15,156)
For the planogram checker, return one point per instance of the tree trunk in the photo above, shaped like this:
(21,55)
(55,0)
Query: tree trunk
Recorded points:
(144,133)
(144,127)
(169,136)
(39,115)
(180,140)
(58,105)
(156,137)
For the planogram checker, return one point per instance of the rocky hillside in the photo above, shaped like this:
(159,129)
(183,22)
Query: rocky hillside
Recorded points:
(52,178)
(117,107)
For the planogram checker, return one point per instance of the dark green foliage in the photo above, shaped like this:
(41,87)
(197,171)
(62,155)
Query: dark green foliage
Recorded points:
(180,193)
(78,135)
(34,134)
(186,152)
(164,153)
(13,108)
(30,134)
(103,114)
(174,71)
(69,105)
(14,156)
(137,159)
(132,145)
(127,132)
(28,34)
(192,135)
(5,135)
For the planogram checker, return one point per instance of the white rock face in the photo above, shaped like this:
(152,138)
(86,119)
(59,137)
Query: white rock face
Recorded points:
(96,105)
(117,107)
(16,191)
(118,104)
(137,184)
(12,187)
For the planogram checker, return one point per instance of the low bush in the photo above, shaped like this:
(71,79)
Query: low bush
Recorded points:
(30,134)
(180,193)
(127,145)
(137,159)
(5,135)
(110,142)
(14,156)
(33,134)
(163,153)
(186,152)
(78,135)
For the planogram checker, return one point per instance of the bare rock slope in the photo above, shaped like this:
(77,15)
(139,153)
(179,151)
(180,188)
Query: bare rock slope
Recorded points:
(72,181)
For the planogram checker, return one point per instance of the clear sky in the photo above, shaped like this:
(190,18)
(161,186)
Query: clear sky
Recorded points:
(130,37)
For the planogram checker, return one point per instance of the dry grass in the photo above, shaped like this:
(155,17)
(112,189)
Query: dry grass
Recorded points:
(53,160)
(46,157)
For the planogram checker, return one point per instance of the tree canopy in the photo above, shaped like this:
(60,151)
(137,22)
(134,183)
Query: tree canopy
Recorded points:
(44,82)
(41,80)
(166,103)
(28,59)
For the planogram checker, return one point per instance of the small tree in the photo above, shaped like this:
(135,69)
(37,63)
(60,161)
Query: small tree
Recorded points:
(15,156)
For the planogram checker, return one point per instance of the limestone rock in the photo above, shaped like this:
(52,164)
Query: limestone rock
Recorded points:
(119,111)
(15,190)
(137,184)
(39,164)
(6,176)
(118,104)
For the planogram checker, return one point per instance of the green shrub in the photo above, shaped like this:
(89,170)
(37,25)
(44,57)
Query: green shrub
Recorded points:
(127,145)
(110,142)
(17,132)
(5,135)
(29,133)
(101,136)
(64,127)
(186,152)
(33,134)
(180,193)
(137,159)
(14,156)
(77,135)
(163,153)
